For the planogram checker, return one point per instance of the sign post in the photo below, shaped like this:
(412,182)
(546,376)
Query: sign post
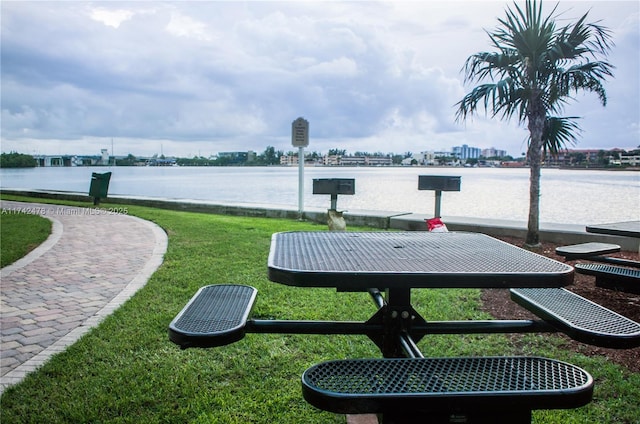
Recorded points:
(300,139)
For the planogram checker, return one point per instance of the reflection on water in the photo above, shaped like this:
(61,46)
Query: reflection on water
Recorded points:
(576,197)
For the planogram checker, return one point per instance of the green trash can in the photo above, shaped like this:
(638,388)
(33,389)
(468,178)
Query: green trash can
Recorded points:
(99,186)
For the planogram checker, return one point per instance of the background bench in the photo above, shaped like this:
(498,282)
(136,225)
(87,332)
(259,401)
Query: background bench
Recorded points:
(612,277)
(586,250)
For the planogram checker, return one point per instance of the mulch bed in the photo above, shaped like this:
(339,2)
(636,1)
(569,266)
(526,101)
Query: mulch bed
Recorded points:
(499,305)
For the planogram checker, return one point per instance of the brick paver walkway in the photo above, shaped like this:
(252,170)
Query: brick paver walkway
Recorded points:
(92,263)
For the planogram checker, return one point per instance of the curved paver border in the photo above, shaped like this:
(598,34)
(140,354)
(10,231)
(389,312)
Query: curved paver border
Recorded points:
(152,264)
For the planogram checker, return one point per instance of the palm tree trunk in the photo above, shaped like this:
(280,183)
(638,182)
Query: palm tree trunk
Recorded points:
(536,127)
(533,224)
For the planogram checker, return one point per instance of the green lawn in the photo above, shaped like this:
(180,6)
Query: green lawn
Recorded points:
(20,233)
(127,371)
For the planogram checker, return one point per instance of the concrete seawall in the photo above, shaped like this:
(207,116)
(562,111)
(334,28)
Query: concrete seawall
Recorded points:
(555,233)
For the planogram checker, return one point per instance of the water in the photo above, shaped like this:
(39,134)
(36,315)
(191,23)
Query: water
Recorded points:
(573,197)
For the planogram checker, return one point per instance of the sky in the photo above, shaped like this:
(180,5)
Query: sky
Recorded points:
(200,77)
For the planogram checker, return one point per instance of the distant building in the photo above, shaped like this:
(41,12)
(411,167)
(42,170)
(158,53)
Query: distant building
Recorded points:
(352,161)
(288,160)
(513,164)
(442,153)
(568,157)
(67,160)
(87,160)
(104,160)
(631,159)
(237,158)
(234,157)
(378,160)
(46,160)
(338,160)
(465,152)
(331,160)
(426,158)
(493,153)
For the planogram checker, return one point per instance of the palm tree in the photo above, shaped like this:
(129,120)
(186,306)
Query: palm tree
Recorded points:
(533,73)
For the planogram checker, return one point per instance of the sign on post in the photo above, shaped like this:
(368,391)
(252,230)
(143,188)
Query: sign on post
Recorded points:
(300,133)
(300,139)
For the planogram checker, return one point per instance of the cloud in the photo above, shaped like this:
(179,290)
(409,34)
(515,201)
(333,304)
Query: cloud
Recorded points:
(112,18)
(215,76)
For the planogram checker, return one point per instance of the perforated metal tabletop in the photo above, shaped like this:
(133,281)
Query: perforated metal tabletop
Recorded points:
(360,260)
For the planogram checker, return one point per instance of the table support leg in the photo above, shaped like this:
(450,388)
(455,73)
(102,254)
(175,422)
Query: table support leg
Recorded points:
(396,316)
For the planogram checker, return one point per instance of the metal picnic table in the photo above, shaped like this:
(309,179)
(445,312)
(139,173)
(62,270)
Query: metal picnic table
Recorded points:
(389,265)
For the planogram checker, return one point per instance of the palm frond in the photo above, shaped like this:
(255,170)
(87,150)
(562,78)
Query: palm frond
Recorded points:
(558,133)
(490,64)
(580,39)
(584,76)
(505,98)
(601,41)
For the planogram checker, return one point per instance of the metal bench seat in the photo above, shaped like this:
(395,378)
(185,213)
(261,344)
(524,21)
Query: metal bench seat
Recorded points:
(586,250)
(466,387)
(579,318)
(612,277)
(215,316)
(609,270)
